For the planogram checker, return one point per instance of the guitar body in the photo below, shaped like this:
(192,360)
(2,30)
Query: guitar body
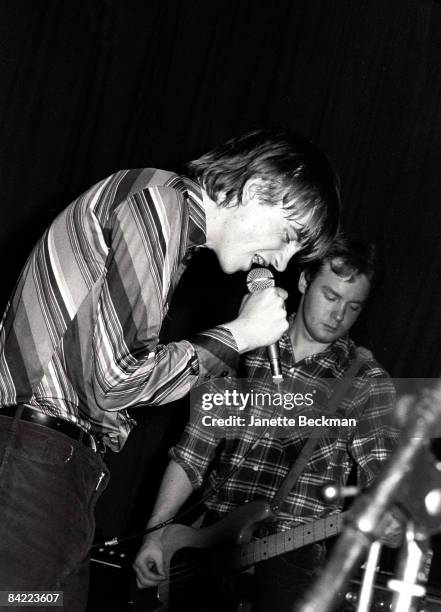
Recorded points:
(197,570)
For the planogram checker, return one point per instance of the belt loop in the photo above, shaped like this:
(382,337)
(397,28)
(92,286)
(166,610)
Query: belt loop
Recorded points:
(93,443)
(17,417)
(84,436)
(13,431)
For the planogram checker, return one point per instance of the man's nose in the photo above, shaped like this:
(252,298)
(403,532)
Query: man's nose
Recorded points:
(284,256)
(280,263)
(339,313)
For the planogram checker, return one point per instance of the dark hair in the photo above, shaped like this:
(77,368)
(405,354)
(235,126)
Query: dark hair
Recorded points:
(293,171)
(348,257)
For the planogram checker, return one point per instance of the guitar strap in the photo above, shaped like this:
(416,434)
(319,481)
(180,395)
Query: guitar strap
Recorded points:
(341,388)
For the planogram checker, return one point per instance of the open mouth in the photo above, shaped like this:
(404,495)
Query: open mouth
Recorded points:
(259,261)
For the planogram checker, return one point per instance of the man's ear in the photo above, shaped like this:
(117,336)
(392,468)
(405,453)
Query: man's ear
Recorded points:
(303,283)
(252,189)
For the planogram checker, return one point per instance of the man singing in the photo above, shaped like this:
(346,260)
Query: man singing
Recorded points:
(315,347)
(79,338)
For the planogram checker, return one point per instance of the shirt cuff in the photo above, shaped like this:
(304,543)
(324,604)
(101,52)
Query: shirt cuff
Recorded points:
(217,353)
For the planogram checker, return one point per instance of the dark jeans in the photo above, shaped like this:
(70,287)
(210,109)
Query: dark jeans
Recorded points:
(49,484)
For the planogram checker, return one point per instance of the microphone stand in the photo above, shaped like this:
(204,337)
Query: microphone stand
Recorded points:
(367,586)
(369,515)
(407,586)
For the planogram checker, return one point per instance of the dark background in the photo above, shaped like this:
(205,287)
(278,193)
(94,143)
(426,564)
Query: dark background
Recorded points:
(92,86)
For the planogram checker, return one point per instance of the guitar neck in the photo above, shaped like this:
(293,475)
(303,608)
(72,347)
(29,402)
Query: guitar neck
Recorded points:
(280,543)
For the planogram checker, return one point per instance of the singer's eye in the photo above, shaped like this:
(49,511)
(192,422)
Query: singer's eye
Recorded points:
(290,235)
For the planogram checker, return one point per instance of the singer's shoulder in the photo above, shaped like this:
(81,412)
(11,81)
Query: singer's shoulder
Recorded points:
(130,182)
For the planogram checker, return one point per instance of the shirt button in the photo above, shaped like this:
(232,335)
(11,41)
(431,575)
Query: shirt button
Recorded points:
(255,468)
(291,370)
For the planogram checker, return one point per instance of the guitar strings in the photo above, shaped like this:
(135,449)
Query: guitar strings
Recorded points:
(185,570)
(184,564)
(189,569)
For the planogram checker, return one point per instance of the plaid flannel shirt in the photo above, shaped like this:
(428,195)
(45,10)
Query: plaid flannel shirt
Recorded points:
(207,460)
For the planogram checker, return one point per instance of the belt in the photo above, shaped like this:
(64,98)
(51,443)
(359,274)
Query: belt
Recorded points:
(65,427)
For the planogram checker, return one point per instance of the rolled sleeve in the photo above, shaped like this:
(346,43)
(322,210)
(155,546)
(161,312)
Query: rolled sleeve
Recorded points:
(376,434)
(194,452)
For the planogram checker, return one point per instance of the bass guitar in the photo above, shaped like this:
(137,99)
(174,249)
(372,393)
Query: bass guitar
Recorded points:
(201,563)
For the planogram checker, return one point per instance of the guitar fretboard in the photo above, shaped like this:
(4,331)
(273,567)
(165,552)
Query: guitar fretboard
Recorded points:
(280,543)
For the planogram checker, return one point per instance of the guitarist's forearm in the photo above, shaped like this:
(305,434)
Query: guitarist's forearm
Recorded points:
(174,491)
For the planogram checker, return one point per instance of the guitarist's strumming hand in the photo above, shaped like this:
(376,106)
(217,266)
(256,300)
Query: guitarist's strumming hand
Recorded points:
(175,489)
(149,565)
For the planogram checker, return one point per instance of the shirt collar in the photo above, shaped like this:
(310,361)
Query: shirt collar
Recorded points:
(197,226)
(341,351)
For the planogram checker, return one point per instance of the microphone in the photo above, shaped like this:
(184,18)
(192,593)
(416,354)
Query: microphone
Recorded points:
(258,279)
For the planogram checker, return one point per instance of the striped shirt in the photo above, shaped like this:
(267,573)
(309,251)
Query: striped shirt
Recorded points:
(370,401)
(79,338)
